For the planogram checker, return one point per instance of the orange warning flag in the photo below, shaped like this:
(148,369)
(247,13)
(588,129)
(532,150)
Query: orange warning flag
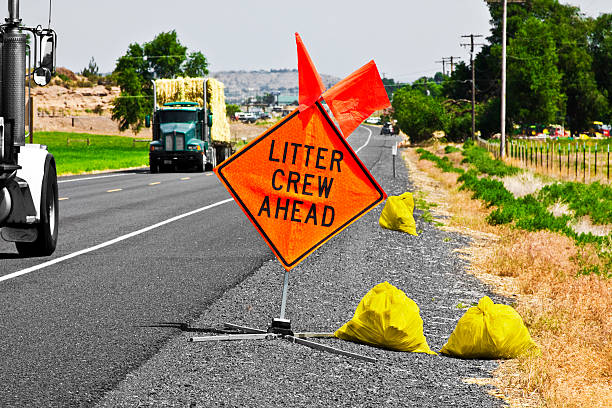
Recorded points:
(311,85)
(300,183)
(356,97)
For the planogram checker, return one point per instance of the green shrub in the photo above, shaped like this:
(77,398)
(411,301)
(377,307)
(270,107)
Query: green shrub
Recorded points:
(594,200)
(492,192)
(482,160)
(451,149)
(442,163)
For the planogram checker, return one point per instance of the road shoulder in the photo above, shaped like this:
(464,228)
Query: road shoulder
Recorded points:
(323,294)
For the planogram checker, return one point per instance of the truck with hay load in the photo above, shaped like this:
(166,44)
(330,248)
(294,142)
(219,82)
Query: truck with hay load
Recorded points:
(190,128)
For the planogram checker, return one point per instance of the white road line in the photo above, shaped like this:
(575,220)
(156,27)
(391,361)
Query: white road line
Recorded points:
(367,141)
(90,178)
(111,242)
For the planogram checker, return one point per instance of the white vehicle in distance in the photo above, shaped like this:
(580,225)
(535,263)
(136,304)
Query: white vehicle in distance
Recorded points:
(373,120)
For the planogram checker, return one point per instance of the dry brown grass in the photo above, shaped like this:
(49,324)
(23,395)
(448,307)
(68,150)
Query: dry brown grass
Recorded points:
(569,316)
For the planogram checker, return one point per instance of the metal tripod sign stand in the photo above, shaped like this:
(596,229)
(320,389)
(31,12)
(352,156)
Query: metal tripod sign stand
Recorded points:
(280,329)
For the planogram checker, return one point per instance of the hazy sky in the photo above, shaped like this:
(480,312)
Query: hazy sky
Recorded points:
(404,37)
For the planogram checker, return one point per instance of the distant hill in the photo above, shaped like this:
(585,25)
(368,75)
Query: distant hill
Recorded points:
(241,84)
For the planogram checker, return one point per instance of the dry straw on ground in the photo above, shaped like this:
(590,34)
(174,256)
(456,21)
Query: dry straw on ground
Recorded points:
(568,315)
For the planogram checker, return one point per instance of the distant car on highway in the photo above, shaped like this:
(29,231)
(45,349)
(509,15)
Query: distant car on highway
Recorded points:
(373,120)
(387,129)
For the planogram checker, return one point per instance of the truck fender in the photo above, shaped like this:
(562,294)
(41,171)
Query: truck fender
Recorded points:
(32,159)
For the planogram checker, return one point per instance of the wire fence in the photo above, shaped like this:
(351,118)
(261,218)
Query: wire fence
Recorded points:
(567,160)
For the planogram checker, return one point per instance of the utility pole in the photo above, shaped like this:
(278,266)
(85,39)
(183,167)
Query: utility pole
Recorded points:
(471,44)
(443,61)
(502,147)
(452,64)
(502,141)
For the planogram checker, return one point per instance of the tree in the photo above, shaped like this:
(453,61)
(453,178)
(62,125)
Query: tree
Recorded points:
(131,105)
(134,78)
(552,74)
(600,47)
(267,98)
(196,65)
(428,87)
(231,110)
(534,82)
(458,119)
(417,114)
(91,70)
(459,84)
(391,86)
(165,55)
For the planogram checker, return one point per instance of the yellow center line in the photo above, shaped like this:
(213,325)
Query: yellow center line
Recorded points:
(185,178)
(114,190)
(62,198)
(155,183)
(209,174)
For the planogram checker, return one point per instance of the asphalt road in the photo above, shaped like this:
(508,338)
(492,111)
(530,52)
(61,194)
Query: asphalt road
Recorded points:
(139,256)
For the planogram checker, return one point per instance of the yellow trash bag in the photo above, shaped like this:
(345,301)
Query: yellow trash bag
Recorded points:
(397,214)
(387,318)
(489,330)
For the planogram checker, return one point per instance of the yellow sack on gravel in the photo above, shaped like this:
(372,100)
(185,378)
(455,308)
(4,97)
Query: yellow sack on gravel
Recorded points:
(489,330)
(397,214)
(387,318)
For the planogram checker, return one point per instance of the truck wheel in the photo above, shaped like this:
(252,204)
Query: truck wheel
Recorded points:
(49,216)
(154,168)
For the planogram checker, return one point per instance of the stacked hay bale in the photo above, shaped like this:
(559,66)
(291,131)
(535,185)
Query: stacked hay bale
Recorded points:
(215,94)
(192,90)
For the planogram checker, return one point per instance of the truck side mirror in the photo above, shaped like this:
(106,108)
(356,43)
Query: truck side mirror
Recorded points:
(47,51)
(148,121)
(210,119)
(42,76)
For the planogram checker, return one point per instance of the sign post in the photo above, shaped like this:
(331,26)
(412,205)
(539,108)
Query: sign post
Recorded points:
(394,153)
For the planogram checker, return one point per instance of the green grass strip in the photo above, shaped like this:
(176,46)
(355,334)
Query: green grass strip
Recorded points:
(530,212)
(103,152)
(594,200)
(481,159)
(442,163)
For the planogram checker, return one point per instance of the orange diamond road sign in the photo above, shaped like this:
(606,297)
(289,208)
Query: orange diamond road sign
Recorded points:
(300,183)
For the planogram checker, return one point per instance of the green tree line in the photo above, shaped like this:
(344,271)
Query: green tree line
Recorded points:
(559,71)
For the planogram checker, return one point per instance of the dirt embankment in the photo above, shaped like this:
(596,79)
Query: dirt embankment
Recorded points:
(88,110)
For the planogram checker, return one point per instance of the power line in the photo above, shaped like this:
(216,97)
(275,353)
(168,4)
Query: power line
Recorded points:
(450,59)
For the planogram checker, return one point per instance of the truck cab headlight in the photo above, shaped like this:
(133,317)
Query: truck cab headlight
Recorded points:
(194,147)
(156,148)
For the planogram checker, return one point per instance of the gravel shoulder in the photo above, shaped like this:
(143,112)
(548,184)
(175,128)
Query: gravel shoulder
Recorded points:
(323,294)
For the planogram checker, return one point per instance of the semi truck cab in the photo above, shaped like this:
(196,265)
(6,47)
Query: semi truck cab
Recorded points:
(181,138)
